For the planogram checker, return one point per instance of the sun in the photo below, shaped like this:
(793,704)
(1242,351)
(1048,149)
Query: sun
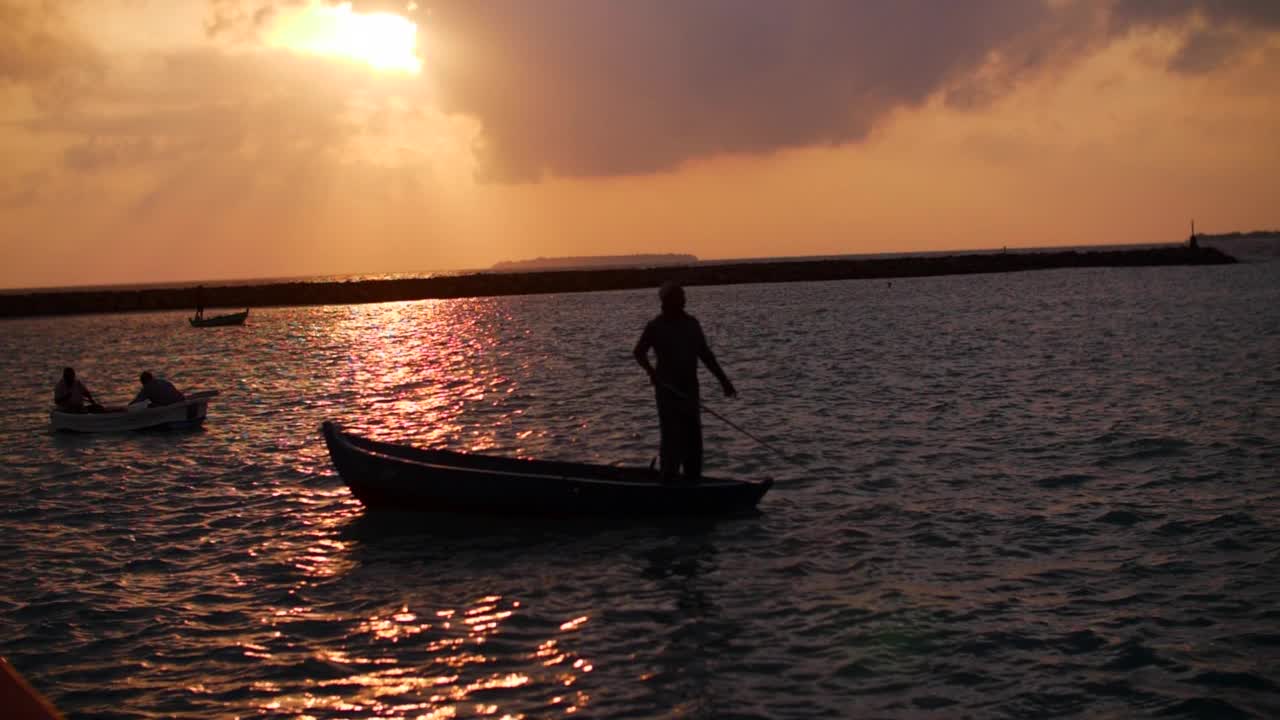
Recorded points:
(383,40)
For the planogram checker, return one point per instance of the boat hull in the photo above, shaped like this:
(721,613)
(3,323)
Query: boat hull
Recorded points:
(188,414)
(20,700)
(220,320)
(386,476)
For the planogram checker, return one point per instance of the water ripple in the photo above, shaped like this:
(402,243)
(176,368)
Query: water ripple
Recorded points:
(1006,496)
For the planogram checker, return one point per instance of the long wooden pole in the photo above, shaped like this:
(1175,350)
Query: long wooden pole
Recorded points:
(726,420)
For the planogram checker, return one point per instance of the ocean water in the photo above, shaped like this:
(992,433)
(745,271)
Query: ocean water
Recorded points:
(1049,494)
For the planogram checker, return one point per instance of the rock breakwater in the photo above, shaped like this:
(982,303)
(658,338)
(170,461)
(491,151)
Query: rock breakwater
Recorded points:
(529,283)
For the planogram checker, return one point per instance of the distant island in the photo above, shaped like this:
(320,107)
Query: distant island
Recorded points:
(489,284)
(593,262)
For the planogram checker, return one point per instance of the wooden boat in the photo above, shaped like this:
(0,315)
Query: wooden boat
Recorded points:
(219,320)
(387,476)
(19,700)
(190,413)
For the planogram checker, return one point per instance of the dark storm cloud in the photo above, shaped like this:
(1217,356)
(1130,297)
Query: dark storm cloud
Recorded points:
(1205,50)
(604,88)
(1256,14)
(1220,30)
(589,88)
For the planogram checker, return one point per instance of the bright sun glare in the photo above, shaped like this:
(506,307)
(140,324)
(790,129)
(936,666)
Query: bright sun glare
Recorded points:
(382,40)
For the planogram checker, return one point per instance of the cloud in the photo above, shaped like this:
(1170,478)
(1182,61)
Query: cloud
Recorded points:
(226,101)
(205,127)
(588,88)
(1217,31)
(240,20)
(1250,13)
(584,88)
(93,155)
(21,191)
(1206,50)
(204,147)
(41,52)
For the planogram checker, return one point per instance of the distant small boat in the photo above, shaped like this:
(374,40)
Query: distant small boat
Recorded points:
(190,413)
(387,476)
(217,320)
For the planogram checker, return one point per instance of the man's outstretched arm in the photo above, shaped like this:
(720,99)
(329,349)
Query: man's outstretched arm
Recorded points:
(709,359)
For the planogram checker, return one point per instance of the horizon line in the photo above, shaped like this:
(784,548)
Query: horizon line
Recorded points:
(426,274)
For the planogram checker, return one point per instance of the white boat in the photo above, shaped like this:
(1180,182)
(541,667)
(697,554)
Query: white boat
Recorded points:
(220,320)
(190,413)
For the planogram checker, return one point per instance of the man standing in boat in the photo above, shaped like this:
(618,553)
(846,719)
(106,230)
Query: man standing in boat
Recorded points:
(676,339)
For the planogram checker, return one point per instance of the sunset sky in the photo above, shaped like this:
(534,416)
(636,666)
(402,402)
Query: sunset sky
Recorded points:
(182,140)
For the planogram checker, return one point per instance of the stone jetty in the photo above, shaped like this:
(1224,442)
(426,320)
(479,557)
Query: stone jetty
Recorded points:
(528,283)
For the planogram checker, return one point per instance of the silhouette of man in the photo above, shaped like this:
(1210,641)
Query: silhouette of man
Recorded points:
(157,391)
(676,339)
(70,394)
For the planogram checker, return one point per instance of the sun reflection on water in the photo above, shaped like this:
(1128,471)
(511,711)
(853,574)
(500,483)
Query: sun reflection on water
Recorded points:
(427,373)
(395,628)
(424,363)
(449,676)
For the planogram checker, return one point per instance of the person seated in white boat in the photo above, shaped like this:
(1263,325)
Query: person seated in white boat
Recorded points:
(676,339)
(157,391)
(70,394)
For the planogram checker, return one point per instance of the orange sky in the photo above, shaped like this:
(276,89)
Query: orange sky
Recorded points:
(216,139)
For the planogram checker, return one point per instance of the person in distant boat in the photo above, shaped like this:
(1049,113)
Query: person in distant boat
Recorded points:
(676,339)
(199,302)
(70,395)
(157,391)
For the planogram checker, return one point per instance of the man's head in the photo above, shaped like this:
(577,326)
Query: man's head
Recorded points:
(145,377)
(671,294)
(69,375)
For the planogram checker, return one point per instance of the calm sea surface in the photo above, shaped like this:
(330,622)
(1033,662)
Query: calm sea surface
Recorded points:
(1023,495)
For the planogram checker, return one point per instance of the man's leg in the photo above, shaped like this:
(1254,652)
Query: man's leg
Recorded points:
(693,447)
(669,450)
